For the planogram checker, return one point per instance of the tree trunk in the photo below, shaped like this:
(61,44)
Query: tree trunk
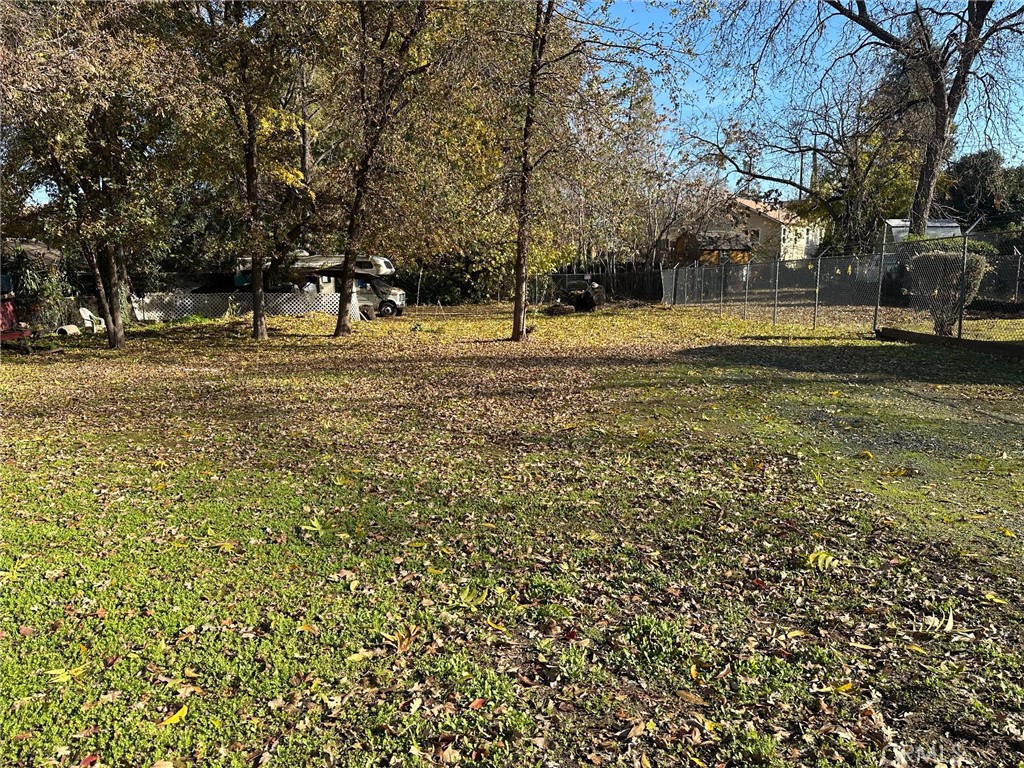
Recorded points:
(300,232)
(126,282)
(252,198)
(541,24)
(928,177)
(343,327)
(519,275)
(115,326)
(101,291)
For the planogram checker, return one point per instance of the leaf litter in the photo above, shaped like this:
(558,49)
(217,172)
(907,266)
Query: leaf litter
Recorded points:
(635,540)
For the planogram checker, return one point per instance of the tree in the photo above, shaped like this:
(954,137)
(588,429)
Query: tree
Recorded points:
(426,153)
(635,188)
(90,95)
(857,150)
(562,78)
(544,12)
(246,54)
(979,186)
(383,46)
(946,47)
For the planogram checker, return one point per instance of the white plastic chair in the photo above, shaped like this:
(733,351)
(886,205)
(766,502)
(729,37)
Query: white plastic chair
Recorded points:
(98,324)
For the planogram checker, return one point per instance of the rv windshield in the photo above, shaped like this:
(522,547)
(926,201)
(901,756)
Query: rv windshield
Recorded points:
(380,288)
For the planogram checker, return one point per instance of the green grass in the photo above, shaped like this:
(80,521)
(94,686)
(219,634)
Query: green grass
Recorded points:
(424,545)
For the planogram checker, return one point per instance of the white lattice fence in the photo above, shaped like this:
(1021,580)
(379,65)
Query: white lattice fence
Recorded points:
(161,307)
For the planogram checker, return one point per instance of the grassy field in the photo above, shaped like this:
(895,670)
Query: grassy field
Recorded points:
(645,538)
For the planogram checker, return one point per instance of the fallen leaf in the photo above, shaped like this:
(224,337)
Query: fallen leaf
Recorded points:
(691,698)
(177,717)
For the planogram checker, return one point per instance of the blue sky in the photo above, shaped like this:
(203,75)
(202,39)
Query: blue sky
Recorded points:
(702,107)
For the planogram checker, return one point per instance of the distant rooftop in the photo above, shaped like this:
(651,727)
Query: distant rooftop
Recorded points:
(723,241)
(781,215)
(41,252)
(935,228)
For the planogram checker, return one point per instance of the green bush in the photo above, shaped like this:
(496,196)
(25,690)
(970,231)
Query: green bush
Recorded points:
(39,290)
(950,246)
(939,277)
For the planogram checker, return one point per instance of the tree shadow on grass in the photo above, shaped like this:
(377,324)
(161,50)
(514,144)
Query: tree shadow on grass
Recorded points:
(888,362)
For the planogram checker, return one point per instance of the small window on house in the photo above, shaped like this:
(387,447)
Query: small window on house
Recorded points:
(753,234)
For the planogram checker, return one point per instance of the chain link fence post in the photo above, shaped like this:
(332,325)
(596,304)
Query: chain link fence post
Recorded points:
(817,293)
(746,287)
(963,283)
(1020,279)
(878,291)
(700,288)
(963,292)
(721,292)
(775,297)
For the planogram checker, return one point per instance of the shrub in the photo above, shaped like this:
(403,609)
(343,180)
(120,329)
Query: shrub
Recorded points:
(939,277)
(39,289)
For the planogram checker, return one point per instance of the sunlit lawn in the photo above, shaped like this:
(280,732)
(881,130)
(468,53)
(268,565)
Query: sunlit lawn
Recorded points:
(646,537)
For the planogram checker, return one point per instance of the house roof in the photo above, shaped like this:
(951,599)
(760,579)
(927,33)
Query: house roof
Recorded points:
(935,228)
(781,215)
(723,241)
(40,252)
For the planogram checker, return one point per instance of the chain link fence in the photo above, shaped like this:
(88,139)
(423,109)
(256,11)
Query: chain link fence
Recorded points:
(963,287)
(161,307)
(811,292)
(966,288)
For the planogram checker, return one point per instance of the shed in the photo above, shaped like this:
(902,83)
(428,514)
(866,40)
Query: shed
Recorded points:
(898,230)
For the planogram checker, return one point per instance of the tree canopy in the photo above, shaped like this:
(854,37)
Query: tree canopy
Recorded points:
(490,140)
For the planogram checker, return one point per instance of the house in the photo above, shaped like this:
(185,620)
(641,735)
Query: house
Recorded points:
(895,231)
(711,248)
(744,230)
(775,232)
